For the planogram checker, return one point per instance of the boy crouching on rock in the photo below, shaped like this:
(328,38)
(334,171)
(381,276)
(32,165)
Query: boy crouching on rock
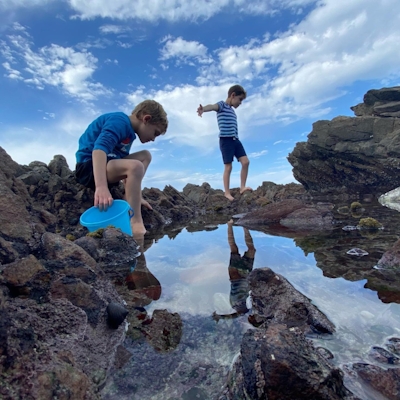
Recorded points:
(103,157)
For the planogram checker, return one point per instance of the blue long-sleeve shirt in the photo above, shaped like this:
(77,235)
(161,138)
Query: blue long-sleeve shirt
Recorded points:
(113,133)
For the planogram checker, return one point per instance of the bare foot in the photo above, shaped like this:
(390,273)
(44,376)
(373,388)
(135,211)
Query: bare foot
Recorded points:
(246,189)
(229,196)
(138,229)
(230,221)
(140,242)
(146,204)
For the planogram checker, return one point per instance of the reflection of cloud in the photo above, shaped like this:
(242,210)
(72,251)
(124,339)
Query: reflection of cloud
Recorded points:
(203,274)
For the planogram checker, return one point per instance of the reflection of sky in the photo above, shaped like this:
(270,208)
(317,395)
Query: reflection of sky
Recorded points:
(193,271)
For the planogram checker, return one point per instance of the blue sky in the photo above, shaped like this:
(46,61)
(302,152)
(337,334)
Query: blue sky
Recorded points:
(64,62)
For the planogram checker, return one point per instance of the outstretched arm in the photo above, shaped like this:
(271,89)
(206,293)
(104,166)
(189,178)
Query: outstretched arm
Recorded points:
(209,107)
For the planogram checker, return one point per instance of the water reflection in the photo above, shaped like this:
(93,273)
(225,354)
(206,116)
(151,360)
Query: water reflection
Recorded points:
(177,350)
(239,269)
(162,329)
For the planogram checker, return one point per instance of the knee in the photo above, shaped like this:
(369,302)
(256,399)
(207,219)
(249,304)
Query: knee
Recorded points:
(136,168)
(147,156)
(228,167)
(245,162)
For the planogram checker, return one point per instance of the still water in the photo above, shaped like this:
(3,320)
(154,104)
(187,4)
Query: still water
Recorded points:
(187,274)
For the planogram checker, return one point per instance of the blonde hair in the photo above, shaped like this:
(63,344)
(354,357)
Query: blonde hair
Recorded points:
(155,110)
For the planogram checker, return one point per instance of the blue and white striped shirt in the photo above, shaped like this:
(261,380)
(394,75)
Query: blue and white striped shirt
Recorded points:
(227,121)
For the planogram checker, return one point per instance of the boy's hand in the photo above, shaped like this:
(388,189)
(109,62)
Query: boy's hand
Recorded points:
(102,198)
(200,110)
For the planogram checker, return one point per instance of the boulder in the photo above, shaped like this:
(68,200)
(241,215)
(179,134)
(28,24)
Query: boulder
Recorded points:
(353,155)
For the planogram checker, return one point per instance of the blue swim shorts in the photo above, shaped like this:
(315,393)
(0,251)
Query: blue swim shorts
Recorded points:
(231,147)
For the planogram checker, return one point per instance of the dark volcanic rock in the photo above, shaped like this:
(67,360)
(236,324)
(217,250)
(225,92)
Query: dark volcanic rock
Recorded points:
(280,364)
(292,214)
(386,381)
(353,155)
(278,301)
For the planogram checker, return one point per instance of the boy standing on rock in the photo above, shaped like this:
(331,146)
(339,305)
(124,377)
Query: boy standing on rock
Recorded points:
(103,157)
(229,142)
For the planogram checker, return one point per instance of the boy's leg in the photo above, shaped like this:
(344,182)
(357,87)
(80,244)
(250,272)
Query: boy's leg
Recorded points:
(243,174)
(226,179)
(231,238)
(132,170)
(249,243)
(227,147)
(144,157)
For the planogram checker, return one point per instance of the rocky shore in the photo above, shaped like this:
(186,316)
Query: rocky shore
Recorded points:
(56,283)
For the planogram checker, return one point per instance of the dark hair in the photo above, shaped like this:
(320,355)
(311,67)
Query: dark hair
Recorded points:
(238,90)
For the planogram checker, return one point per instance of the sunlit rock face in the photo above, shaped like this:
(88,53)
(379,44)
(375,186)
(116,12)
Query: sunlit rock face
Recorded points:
(353,154)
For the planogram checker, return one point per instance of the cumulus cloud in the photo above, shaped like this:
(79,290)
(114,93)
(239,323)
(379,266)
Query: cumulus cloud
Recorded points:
(52,65)
(12,4)
(181,103)
(313,62)
(184,50)
(175,10)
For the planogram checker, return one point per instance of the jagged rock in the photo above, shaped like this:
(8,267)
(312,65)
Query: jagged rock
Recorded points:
(353,154)
(277,363)
(290,213)
(276,299)
(386,381)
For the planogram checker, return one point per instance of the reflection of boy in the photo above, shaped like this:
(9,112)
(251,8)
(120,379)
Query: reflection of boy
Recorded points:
(239,269)
(163,330)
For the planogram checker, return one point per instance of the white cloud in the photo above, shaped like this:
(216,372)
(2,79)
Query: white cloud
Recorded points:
(170,10)
(113,29)
(52,65)
(184,50)
(181,103)
(12,4)
(336,45)
(258,154)
(175,10)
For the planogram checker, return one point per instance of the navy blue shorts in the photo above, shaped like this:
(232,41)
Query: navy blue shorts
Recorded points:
(84,174)
(231,147)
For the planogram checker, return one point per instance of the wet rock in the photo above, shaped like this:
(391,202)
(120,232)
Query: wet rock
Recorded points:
(393,344)
(110,249)
(290,213)
(268,357)
(386,381)
(55,247)
(383,356)
(164,331)
(391,258)
(276,299)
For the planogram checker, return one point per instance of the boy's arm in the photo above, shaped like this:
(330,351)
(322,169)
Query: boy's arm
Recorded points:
(102,195)
(209,107)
